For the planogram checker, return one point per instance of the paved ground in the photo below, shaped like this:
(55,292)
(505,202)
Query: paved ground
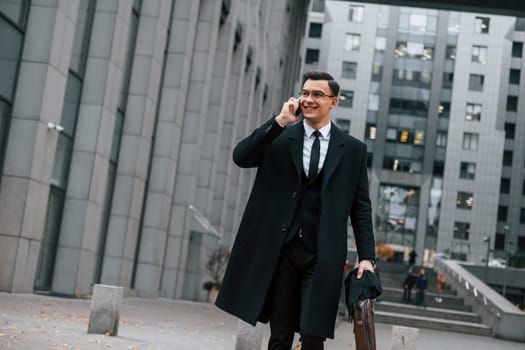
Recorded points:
(34,322)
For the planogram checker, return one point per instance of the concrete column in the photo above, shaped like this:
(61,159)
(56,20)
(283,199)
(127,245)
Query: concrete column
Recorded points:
(168,132)
(195,113)
(75,258)
(228,139)
(132,169)
(31,146)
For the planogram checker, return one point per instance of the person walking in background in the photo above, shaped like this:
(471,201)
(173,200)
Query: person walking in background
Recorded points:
(421,287)
(411,261)
(408,284)
(286,264)
(440,284)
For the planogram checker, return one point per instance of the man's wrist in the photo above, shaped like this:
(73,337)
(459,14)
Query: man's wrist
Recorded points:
(278,120)
(372,261)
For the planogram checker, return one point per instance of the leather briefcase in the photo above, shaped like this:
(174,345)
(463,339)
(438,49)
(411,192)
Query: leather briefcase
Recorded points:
(364,327)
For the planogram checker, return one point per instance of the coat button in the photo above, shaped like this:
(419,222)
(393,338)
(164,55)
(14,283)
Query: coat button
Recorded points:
(283,228)
(294,195)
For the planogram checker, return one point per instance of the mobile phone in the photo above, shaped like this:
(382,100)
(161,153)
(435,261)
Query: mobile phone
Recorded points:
(298,110)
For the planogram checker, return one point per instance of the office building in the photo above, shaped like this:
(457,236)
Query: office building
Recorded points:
(438,97)
(117,123)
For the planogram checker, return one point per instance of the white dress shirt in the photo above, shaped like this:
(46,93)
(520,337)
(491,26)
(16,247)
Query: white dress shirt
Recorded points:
(309,138)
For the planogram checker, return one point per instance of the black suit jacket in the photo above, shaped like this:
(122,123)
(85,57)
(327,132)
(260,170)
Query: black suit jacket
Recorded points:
(277,154)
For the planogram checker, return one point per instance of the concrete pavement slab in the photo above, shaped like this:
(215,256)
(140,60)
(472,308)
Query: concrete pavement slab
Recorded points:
(32,321)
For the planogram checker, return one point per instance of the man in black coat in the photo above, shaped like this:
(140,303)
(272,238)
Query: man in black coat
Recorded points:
(286,265)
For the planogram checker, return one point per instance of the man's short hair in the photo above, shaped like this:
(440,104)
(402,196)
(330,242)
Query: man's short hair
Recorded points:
(321,75)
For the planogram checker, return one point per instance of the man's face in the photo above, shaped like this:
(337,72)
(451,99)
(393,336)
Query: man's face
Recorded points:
(317,105)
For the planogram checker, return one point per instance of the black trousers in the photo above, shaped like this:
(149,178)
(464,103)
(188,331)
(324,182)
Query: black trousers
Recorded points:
(290,290)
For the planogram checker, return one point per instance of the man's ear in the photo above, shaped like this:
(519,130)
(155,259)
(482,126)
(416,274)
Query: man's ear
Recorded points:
(334,102)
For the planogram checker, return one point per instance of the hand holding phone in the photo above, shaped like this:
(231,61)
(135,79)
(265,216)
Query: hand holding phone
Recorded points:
(289,112)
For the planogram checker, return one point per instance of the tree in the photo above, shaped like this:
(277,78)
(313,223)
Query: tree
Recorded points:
(215,266)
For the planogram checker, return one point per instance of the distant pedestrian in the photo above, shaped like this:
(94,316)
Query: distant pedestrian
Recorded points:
(408,284)
(421,287)
(440,284)
(411,260)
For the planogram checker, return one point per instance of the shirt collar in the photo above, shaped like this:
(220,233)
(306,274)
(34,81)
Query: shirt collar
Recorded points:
(325,130)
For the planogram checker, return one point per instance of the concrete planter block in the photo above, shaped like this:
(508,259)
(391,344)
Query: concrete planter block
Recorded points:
(404,338)
(248,337)
(105,309)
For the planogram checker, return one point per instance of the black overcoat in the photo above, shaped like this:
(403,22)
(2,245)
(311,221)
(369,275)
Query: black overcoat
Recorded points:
(277,154)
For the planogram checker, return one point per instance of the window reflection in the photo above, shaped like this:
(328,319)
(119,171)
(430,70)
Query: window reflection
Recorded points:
(396,218)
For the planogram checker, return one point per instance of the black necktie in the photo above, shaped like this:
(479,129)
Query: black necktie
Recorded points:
(314,156)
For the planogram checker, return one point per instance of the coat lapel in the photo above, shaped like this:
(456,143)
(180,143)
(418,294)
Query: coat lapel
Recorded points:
(296,138)
(333,155)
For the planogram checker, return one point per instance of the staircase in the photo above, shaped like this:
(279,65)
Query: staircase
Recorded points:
(449,315)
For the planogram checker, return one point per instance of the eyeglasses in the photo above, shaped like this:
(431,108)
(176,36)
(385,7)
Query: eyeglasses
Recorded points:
(316,94)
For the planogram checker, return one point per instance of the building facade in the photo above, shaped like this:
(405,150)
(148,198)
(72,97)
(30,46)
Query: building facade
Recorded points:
(436,97)
(117,123)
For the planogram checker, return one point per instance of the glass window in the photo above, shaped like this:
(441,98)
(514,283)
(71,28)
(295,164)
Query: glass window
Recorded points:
(380,44)
(371,131)
(444,109)
(10,46)
(396,215)
(476,82)
(382,16)
(461,230)
(464,200)
(15,10)
(5,111)
(481,25)
(318,6)
(522,216)
(417,22)
(479,54)
(448,80)
(65,139)
(441,139)
(514,76)
(510,130)
(391,134)
(349,70)
(467,170)
(473,112)
(312,56)
(507,158)
(343,124)
(470,141)
(517,49)
(356,13)
(373,102)
(316,30)
(80,42)
(499,243)
(346,98)
(130,54)
(521,244)
(352,42)
(512,103)
(377,71)
(504,186)
(502,213)
(453,23)
(450,53)
(520,24)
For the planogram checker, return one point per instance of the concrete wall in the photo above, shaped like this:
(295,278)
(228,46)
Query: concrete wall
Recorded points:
(201,79)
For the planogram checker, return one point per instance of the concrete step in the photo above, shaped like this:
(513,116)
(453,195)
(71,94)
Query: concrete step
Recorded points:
(429,312)
(432,323)
(449,301)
